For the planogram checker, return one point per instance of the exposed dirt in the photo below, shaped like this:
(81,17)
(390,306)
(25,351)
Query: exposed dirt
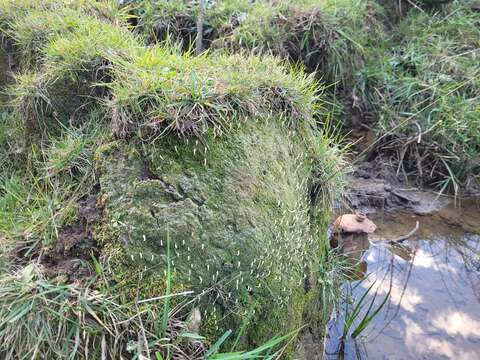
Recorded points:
(89,210)
(375,187)
(69,259)
(308,347)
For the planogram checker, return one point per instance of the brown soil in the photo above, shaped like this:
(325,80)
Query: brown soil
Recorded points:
(89,210)
(69,259)
(374,188)
(71,256)
(378,185)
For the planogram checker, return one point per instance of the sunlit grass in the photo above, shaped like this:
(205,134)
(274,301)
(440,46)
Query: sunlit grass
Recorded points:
(328,35)
(424,90)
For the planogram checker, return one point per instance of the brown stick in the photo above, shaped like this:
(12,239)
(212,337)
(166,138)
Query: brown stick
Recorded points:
(199,39)
(405,237)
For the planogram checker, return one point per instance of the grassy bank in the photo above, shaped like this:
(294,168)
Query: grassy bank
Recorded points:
(423,89)
(160,204)
(330,36)
(407,70)
(137,214)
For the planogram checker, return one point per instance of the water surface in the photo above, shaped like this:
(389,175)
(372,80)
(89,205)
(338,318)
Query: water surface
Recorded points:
(433,279)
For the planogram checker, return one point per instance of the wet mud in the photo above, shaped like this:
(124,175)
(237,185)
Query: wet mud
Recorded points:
(376,187)
(454,218)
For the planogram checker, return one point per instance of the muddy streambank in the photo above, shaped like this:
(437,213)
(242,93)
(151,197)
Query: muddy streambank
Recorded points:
(396,208)
(453,219)
(376,186)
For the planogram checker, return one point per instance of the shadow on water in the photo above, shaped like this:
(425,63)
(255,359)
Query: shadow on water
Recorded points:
(432,280)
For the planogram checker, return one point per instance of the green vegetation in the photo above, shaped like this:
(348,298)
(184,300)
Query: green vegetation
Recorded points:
(360,312)
(414,72)
(159,91)
(39,317)
(111,150)
(423,87)
(159,204)
(330,35)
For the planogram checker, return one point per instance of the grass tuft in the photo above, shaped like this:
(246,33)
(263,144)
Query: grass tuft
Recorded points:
(329,35)
(160,92)
(424,89)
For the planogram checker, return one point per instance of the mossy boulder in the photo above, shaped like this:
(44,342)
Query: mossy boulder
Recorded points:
(238,216)
(206,173)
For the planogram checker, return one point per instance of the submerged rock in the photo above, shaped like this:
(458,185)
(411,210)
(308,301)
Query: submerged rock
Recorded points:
(354,223)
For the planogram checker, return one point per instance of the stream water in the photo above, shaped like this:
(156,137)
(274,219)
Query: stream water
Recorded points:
(432,280)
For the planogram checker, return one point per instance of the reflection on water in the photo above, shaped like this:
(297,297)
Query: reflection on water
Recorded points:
(433,312)
(434,283)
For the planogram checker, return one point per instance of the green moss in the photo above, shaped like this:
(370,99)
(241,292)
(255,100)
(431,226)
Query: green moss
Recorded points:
(238,217)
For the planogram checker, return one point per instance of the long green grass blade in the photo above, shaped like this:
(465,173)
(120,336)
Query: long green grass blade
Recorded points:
(166,306)
(216,346)
(368,318)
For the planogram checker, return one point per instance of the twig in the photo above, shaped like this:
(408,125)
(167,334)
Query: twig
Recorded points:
(415,6)
(405,237)
(199,39)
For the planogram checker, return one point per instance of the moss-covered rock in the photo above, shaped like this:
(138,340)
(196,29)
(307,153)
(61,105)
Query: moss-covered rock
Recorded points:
(207,166)
(238,219)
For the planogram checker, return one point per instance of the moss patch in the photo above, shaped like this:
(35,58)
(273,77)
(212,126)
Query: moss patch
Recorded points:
(238,218)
